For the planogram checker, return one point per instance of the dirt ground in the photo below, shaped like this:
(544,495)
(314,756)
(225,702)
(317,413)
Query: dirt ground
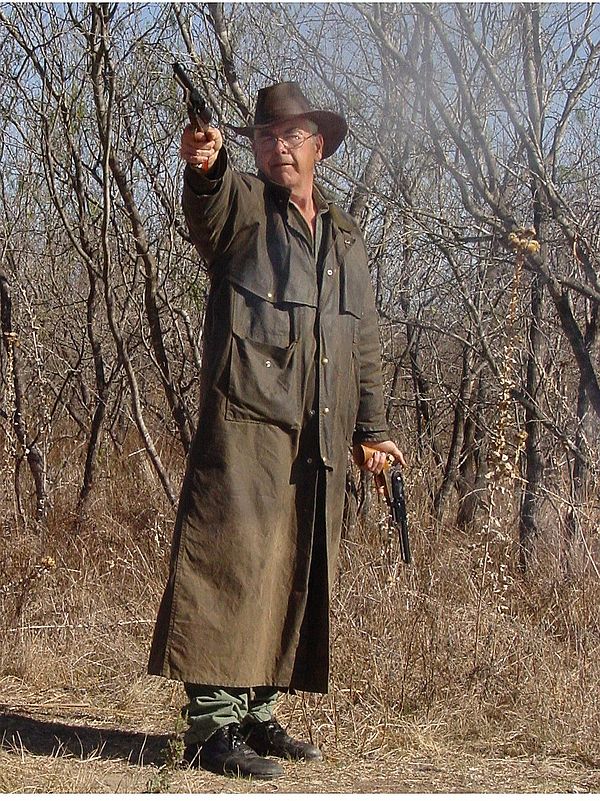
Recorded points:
(64,745)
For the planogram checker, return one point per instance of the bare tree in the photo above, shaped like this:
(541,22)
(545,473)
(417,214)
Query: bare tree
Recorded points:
(471,165)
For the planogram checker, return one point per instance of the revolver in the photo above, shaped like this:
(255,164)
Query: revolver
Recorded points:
(391,482)
(199,113)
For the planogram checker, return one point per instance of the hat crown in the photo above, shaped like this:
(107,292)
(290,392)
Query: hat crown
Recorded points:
(280,101)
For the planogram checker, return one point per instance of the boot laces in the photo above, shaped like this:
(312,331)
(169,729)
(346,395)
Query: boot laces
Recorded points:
(275,730)
(236,739)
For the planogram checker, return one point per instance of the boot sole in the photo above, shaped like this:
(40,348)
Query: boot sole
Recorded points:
(276,772)
(289,757)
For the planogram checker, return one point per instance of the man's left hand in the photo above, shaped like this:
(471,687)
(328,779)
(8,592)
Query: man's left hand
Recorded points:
(376,463)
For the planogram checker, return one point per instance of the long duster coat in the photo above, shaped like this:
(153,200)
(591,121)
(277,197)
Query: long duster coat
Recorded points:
(291,375)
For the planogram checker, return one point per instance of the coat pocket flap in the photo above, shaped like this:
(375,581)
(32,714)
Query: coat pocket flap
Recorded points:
(352,293)
(260,319)
(281,286)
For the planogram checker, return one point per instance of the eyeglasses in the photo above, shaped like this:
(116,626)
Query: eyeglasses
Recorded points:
(292,141)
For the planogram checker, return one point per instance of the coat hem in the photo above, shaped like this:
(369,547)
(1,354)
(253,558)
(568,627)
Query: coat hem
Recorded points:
(297,686)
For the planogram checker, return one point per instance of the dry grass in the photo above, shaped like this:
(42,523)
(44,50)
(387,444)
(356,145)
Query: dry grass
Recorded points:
(442,682)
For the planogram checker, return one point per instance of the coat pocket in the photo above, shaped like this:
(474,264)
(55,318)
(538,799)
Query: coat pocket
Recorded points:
(264,384)
(264,380)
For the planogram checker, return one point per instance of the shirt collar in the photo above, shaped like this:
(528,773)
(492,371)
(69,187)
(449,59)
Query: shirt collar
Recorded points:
(283,194)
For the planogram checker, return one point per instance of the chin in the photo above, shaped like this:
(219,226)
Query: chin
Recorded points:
(281,180)
(282,173)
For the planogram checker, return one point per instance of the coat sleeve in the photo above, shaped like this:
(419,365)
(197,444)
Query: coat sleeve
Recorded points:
(371,423)
(215,207)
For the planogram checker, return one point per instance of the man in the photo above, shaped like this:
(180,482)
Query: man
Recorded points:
(291,376)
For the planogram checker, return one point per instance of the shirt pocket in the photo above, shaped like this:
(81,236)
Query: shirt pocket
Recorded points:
(264,375)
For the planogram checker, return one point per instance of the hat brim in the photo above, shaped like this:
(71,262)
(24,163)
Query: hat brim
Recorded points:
(333,128)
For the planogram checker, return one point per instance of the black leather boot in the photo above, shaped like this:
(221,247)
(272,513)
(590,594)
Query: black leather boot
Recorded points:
(271,739)
(226,753)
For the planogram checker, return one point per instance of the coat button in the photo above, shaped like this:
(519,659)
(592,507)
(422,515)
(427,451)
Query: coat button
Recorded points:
(269,295)
(309,460)
(329,272)
(326,410)
(324,360)
(268,363)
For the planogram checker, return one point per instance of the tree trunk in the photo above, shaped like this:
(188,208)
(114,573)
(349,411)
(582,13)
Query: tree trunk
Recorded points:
(534,472)
(472,483)
(580,477)
(451,472)
(532,493)
(35,459)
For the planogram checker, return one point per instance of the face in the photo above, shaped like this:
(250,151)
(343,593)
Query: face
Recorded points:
(292,167)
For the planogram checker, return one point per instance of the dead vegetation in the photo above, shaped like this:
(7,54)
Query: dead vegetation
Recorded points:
(441,682)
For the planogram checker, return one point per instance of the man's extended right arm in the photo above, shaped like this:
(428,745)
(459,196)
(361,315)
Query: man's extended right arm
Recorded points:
(208,195)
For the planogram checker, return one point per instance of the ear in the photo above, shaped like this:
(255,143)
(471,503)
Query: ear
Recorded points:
(255,154)
(319,142)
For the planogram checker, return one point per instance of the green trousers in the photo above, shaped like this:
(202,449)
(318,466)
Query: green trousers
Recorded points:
(211,708)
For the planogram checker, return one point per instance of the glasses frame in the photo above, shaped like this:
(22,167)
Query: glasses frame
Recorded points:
(269,142)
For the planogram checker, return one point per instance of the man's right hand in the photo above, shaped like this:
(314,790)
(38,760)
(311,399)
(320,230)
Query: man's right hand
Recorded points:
(200,148)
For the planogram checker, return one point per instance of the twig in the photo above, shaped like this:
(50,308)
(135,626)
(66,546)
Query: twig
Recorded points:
(39,627)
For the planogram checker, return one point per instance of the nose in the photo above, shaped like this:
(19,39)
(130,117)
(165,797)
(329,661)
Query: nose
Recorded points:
(280,145)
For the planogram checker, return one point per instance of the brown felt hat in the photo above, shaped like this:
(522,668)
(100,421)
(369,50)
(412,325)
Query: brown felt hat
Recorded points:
(284,101)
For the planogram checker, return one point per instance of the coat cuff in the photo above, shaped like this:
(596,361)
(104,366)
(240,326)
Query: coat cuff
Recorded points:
(206,183)
(373,435)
